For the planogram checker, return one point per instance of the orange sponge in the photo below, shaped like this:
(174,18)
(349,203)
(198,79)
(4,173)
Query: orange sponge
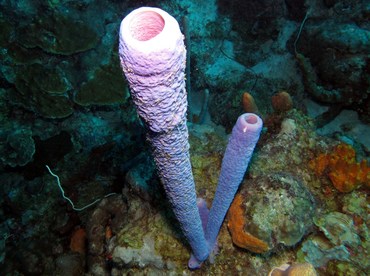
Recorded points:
(78,241)
(282,101)
(342,169)
(249,105)
(236,227)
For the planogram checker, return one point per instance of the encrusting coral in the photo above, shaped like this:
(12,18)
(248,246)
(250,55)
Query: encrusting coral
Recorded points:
(342,169)
(236,227)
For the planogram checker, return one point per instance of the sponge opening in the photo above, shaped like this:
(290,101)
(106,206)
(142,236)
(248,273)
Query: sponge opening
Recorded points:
(251,119)
(146,25)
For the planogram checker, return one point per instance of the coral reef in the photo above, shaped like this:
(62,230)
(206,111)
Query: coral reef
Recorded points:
(43,90)
(54,59)
(338,228)
(290,141)
(142,257)
(345,238)
(64,103)
(277,210)
(208,146)
(319,253)
(225,107)
(69,264)
(147,242)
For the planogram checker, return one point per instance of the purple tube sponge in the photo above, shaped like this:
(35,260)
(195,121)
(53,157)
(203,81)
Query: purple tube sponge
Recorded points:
(242,142)
(153,55)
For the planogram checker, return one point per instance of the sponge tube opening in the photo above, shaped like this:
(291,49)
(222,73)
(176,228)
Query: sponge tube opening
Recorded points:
(146,25)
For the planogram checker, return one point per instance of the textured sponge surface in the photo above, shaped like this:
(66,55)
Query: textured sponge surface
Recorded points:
(153,54)
(243,139)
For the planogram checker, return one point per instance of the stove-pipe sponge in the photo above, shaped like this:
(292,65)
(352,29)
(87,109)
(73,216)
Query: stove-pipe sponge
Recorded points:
(153,56)
(243,139)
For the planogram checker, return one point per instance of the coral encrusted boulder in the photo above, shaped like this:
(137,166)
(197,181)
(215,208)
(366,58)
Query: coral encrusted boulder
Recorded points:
(271,210)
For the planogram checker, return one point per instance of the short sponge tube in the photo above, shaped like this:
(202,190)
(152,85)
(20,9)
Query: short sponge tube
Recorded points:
(243,139)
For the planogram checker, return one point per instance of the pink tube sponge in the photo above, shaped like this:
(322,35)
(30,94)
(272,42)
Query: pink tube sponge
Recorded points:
(153,54)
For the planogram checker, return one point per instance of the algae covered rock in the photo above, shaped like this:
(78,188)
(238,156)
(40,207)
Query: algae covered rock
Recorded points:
(150,242)
(318,252)
(107,86)
(334,61)
(303,269)
(207,147)
(107,218)
(288,148)
(338,228)
(143,256)
(43,90)
(69,264)
(58,34)
(340,244)
(6,30)
(18,149)
(278,210)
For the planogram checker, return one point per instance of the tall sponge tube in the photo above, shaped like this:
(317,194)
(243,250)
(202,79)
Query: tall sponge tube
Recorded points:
(243,139)
(153,56)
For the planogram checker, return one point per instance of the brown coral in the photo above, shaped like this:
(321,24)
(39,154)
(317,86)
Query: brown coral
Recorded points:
(342,169)
(236,227)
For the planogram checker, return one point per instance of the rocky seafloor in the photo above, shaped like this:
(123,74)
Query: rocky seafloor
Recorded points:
(64,103)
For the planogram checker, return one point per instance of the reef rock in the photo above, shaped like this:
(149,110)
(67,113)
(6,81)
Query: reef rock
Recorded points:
(150,242)
(278,210)
(18,149)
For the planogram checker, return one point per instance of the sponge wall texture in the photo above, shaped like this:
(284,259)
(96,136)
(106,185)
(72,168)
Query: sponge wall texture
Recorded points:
(153,56)
(239,150)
